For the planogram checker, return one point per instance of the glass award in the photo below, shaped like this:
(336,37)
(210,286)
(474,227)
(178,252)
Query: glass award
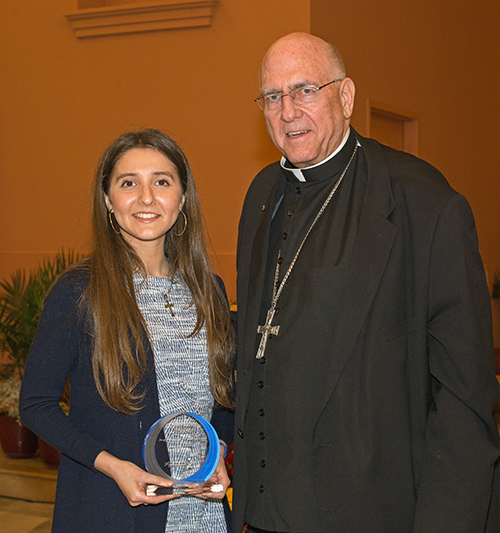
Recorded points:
(184,448)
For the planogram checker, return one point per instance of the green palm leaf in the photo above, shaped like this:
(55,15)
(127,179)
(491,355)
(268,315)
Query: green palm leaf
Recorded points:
(21,302)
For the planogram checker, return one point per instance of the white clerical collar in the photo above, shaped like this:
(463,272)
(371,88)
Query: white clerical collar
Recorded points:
(297,172)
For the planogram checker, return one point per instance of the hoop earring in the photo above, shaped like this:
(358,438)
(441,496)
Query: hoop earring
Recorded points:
(111,222)
(185,225)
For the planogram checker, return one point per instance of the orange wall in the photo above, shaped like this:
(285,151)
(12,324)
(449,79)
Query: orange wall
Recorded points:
(440,60)
(64,99)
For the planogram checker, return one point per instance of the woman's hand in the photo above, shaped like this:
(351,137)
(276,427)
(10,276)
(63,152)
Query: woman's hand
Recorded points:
(219,476)
(132,480)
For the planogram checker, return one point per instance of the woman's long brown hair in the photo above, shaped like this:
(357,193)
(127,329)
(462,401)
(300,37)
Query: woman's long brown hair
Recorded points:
(119,330)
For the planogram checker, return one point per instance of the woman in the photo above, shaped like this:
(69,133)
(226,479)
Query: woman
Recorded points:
(142,328)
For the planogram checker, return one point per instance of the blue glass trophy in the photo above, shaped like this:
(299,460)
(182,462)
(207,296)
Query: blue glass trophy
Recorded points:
(184,448)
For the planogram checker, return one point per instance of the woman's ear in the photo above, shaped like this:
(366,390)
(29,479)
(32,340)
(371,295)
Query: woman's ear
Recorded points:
(109,205)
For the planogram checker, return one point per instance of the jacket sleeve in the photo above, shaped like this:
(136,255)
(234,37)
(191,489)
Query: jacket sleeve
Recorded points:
(461,441)
(53,355)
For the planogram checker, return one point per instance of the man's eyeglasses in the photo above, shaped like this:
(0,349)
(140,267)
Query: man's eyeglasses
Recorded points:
(300,96)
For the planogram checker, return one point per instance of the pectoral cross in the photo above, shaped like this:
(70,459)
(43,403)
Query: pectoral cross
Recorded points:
(168,305)
(266,330)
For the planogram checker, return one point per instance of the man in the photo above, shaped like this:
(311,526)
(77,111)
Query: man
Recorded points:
(366,381)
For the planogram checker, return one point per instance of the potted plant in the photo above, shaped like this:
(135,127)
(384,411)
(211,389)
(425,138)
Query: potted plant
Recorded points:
(16,439)
(21,302)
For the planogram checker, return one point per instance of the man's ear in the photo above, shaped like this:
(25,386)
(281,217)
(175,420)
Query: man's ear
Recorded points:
(347,93)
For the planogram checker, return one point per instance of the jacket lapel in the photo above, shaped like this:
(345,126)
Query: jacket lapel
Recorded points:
(374,242)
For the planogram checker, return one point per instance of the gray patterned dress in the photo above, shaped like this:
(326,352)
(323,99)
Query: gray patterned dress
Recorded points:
(181,364)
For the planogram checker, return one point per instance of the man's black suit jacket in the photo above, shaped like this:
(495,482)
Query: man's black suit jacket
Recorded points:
(414,340)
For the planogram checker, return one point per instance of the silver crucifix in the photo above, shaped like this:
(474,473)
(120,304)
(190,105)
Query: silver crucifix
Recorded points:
(266,330)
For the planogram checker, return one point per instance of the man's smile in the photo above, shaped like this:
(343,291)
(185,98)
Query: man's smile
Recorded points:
(296,133)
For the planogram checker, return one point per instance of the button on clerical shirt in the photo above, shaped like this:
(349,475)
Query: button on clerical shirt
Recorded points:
(261,412)
(262,435)
(298,190)
(260,384)
(263,463)
(284,236)
(290,212)
(261,488)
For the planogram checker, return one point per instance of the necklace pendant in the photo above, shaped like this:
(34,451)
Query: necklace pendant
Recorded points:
(266,330)
(169,305)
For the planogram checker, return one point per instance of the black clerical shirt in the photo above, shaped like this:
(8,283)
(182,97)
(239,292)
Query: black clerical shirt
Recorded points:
(279,424)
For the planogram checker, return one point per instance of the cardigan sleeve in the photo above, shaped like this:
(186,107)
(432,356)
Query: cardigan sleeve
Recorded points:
(222,418)
(461,442)
(54,354)
(223,422)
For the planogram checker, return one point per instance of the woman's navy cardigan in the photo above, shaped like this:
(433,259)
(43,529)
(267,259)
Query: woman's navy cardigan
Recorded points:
(86,499)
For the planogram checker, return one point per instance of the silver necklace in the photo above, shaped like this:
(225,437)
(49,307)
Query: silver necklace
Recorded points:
(267,329)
